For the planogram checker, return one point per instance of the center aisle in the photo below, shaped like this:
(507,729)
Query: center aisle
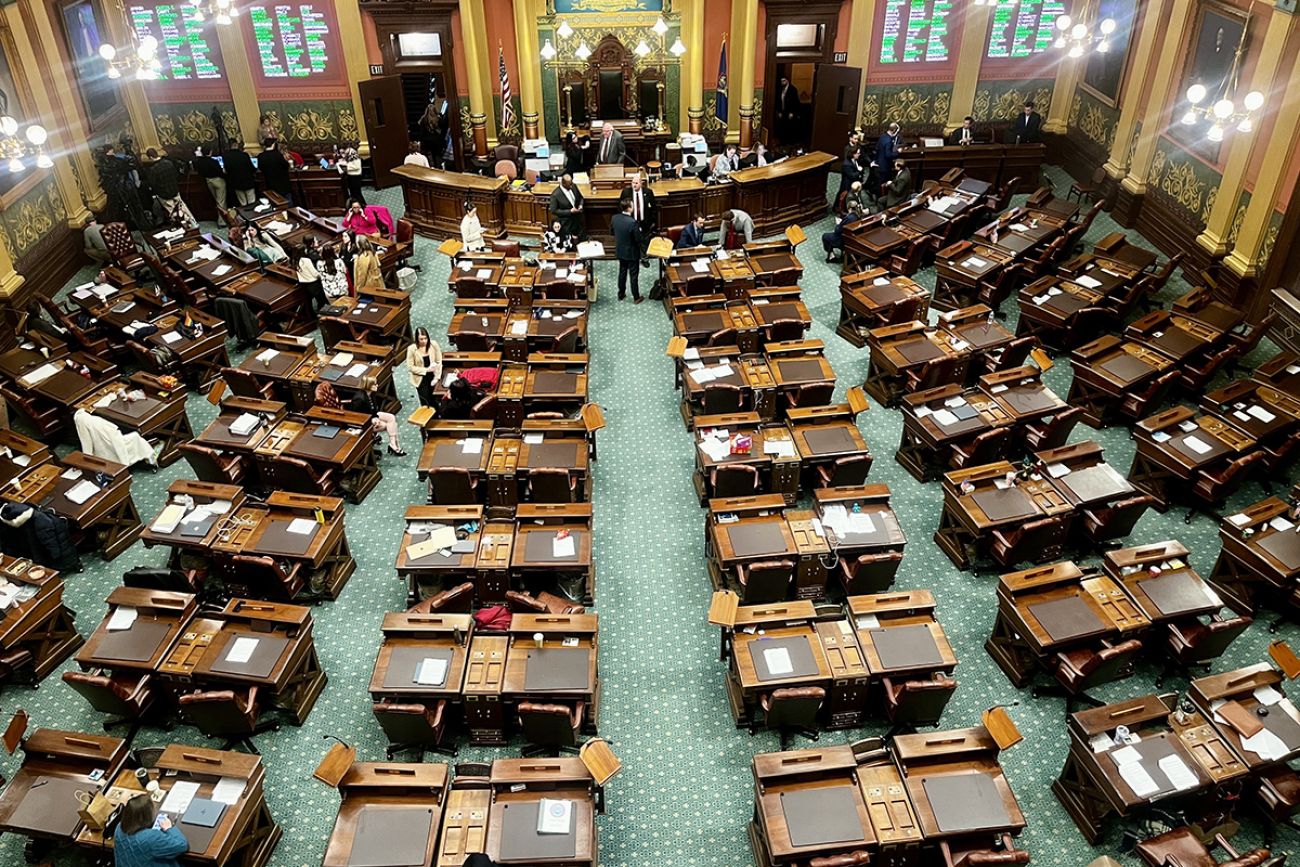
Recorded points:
(683,795)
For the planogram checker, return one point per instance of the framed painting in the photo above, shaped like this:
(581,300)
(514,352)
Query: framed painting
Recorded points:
(83,32)
(1219,45)
(1103,75)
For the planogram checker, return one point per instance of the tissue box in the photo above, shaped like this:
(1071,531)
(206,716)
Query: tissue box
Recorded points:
(742,444)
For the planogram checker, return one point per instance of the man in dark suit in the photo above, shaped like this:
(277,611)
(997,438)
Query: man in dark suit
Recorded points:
(1028,126)
(566,206)
(692,234)
(964,134)
(900,186)
(887,152)
(275,169)
(644,209)
(787,112)
(241,176)
(612,149)
(627,249)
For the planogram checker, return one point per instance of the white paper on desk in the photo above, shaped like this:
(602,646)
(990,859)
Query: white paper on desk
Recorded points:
(279,228)
(1178,773)
(1280,524)
(40,374)
(554,816)
(591,250)
(717,450)
(1267,695)
(1101,742)
(534,439)
(944,417)
(22,460)
(775,447)
(1160,436)
(1266,745)
(228,790)
(880,281)
(245,424)
(572,314)
(955,401)
(1197,445)
(466,265)
(519,327)
(998,389)
(565,547)
(449,378)
(722,370)
(1262,414)
(81,492)
(171,337)
(356,370)
(1187,425)
(923,411)
(341,359)
(180,794)
(302,526)
(778,660)
(1085,280)
(1126,755)
(860,522)
(1055,290)
(703,375)
(1057,470)
(1239,520)
(169,518)
(100,404)
(1017,227)
(122,618)
(441,536)
(483,273)
(219,507)
(220,270)
(691,353)
(471,446)
(700,266)
(267,354)
(837,518)
(81,293)
(1293,368)
(241,650)
(974,262)
(432,671)
(1240,416)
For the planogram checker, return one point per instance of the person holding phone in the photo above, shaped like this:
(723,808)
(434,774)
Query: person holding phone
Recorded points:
(140,841)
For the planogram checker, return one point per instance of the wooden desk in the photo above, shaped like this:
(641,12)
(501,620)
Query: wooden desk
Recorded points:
(875,298)
(389,810)
(1282,721)
(377,316)
(858,520)
(937,420)
(1282,371)
(274,361)
(808,804)
(37,622)
(196,530)
(974,504)
(1106,371)
(1173,593)
(434,572)
(783,194)
(40,801)
(825,435)
(897,350)
(1117,248)
(435,200)
(900,635)
(750,674)
(1176,337)
(408,640)
(276,296)
(159,618)
(107,519)
(346,369)
(962,268)
(218,436)
(158,416)
(1265,414)
(562,669)
(771,452)
(1079,471)
(1258,562)
(345,460)
(534,549)
(1175,445)
(19,453)
(518,785)
(200,347)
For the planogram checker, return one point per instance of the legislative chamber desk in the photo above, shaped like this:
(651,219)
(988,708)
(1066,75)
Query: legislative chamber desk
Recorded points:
(771,452)
(994,164)
(1261,412)
(322,451)
(1176,445)
(40,801)
(1170,760)
(1109,370)
(875,298)
(312,186)
(1259,561)
(410,639)
(138,649)
(35,619)
(518,786)
(19,453)
(390,814)
(979,500)
(378,316)
(158,416)
(745,530)
(899,350)
(1251,689)
(435,200)
(858,519)
(245,834)
(345,367)
(1160,581)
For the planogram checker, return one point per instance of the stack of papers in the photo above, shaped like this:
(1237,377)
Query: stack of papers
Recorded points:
(228,790)
(1197,444)
(554,816)
(431,671)
(341,359)
(40,374)
(357,370)
(302,526)
(267,354)
(122,618)
(563,547)
(241,650)
(1260,413)
(471,446)
(700,266)
(245,424)
(717,450)
(81,492)
(279,228)
(179,796)
(1086,281)
(519,327)
(974,262)
(778,661)
(780,448)
(944,417)
(169,519)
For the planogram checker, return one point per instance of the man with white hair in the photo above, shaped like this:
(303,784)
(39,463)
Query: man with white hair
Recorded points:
(612,149)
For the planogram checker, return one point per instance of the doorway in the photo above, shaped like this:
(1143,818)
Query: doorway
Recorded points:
(792,105)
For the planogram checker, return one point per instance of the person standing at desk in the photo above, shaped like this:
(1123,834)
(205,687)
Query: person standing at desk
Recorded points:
(887,152)
(692,234)
(424,364)
(851,172)
(241,176)
(612,148)
(964,134)
(575,153)
(275,170)
(1028,127)
(627,248)
(738,223)
(210,170)
(165,181)
(471,230)
(366,272)
(309,275)
(566,206)
(137,843)
(350,169)
(900,186)
(644,209)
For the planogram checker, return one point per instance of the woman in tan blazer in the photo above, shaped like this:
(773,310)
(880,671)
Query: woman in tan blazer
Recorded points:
(365,267)
(424,363)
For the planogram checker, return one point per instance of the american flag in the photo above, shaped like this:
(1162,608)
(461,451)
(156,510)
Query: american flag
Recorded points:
(507,108)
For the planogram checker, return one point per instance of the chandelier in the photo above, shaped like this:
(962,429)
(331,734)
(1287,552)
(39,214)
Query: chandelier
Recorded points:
(13,148)
(141,62)
(1079,36)
(554,54)
(1223,112)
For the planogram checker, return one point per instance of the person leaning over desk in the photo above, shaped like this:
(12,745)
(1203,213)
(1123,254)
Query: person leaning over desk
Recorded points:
(138,843)
(739,223)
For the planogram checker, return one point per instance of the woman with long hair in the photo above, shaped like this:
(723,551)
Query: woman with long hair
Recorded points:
(140,842)
(424,363)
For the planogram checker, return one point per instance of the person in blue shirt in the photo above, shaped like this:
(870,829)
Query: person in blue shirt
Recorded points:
(138,843)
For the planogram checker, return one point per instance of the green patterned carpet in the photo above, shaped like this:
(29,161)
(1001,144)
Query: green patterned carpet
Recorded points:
(685,793)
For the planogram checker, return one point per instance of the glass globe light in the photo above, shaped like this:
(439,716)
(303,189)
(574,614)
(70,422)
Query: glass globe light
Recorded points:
(15,165)
(1246,125)
(1103,46)
(583,52)
(641,49)
(548,50)
(1059,43)
(36,134)
(1063,22)
(1189,119)
(114,72)
(1214,133)
(1108,26)
(43,161)
(1224,108)
(1196,93)
(1254,101)
(108,52)
(1079,31)
(8,126)
(661,26)
(678,48)
(1076,50)
(564,31)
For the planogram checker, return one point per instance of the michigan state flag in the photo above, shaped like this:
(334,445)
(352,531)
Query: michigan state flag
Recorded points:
(720,100)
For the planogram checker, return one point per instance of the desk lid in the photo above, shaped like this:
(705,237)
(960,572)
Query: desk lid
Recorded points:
(200,760)
(771,767)
(395,775)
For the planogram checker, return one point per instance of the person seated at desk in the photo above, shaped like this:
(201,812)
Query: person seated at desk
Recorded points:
(833,241)
(964,134)
(860,194)
(900,186)
(361,220)
(887,152)
(556,240)
(460,401)
(366,273)
(363,401)
(725,163)
(424,364)
(1028,127)
(692,234)
(264,247)
(333,274)
(612,148)
(471,230)
(415,156)
(139,841)
(757,157)
(177,215)
(566,206)
(736,224)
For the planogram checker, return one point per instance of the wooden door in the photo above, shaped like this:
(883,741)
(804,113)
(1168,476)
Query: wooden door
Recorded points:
(835,109)
(383,104)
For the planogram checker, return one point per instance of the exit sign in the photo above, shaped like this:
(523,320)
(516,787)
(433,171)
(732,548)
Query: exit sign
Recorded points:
(376,69)
(840,57)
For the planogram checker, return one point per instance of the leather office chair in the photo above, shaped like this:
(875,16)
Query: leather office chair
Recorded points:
(566,341)
(1087,322)
(1049,433)
(1127,300)
(471,341)
(1140,403)
(985,448)
(122,247)
(1034,542)
(976,851)
(520,602)
(783,329)
(1213,485)
(722,337)
(915,703)
(848,471)
(504,246)
(844,859)
(244,384)
(1102,524)
(88,340)
(294,474)
(765,581)
(932,374)
(454,600)
(1194,377)
(550,728)
(17,665)
(810,394)
(552,485)
(209,465)
(1165,271)
(170,580)
(909,259)
(1277,456)
(1245,338)
(869,573)
(1089,189)
(791,711)
(414,726)
(722,397)
(1012,355)
(227,713)
(733,480)
(1079,670)
(334,330)
(150,363)
(125,698)
(1196,645)
(468,288)
(510,153)
(267,578)
(45,418)
(700,284)
(452,486)
(1182,847)
(1278,798)
(907,310)
(506,169)
(998,288)
(405,237)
